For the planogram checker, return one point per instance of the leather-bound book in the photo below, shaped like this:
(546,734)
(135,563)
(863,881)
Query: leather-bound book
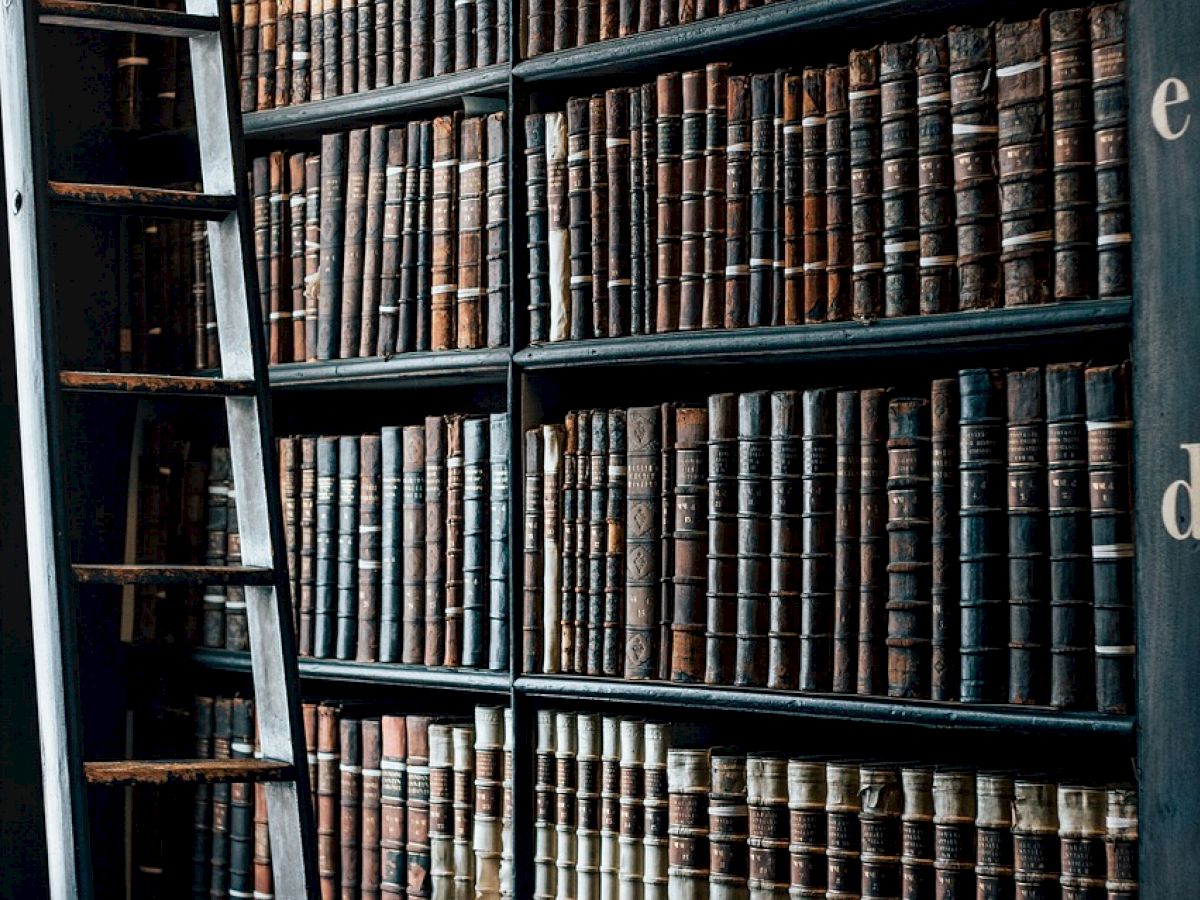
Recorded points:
(845,545)
(327,798)
(316,49)
(833,228)
(656,738)
(993,836)
(767,798)
(369,549)
(631,823)
(610,803)
(221,749)
(464,807)
(441,809)
(872,541)
(443,38)
(589,638)
(944,593)
(377,166)
(807,831)
(409,313)
(349,49)
(465,30)
(420,35)
(692,130)
(613,637)
(347,546)
(1072,144)
(365,39)
(1110,116)
(691,532)
(300,87)
(297,204)
(898,147)
(636,313)
(1081,831)
(762,199)
(1068,503)
(372,798)
(574,614)
(487,797)
(669,151)
(587,805)
(645,17)
(817,531)
(880,826)
(279,304)
(308,712)
(716,125)
(393,871)
(237,630)
(935,178)
(506,816)
(332,229)
(326,577)
(353,247)
(642,319)
(753,510)
(416,807)
(350,806)
(557,263)
(536,226)
(282,86)
(496,230)
(425,241)
(216,529)
(1109,430)
(241,802)
(260,184)
(728,828)
(455,537)
(778,256)
(412,643)
(499,500)
(643,519)
(843,803)
(1023,113)
(202,803)
(721,625)
(444,208)
(435,540)
(737,203)
(545,808)
(916,835)
(619,215)
(579,217)
(786,541)
(201,289)
(469,313)
(386,45)
(1035,840)
(688,780)
(588,22)
(332,52)
(552,441)
(789,200)
(954,834)
(983,586)
(390,245)
(668,12)
(531,578)
(564,25)
(666,566)
(475,543)
(1121,843)
(1029,607)
(539,28)
(865,184)
(974,145)
(248,69)
(598,174)
(570,547)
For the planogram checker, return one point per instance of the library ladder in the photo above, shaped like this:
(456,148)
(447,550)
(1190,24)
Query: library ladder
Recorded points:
(241,386)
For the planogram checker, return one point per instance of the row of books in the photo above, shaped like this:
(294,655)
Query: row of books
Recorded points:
(966,539)
(294,51)
(622,812)
(982,168)
(388,240)
(405,805)
(153,87)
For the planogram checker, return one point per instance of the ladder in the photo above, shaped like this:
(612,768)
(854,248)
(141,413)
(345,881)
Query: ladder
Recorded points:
(30,195)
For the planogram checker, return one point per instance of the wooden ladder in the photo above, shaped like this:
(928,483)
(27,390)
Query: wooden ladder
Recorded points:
(30,196)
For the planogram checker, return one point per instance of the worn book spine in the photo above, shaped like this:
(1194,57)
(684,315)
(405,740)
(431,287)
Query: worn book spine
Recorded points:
(737,203)
(690,524)
(974,146)
(485,32)
(390,246)
(728,827)
(537,201)
(487,798)
(610,16)
(716,125)
(365,44)
(1109,430)
(417,845)
(326,790)
(316,49)
(570,540)
(499,505)
(587,806)
(241,801)
(393,764)
(545,808)
(880,826)
(993,835)
(807,829)
(935,178)
(435,540)
(326,574)
(579,210)
(425,241)
(565,28)
(386,44)
(349,83)
(688,780)
(222,717)
(1035,839)
(1081,832)
(721,625)
(598,175)
(464,808)
(412,517)
(420,53)
(631,817)
(455,540)
(260,188)
(786,542)
(279,346)
(872,541)
(465,27)
(347,546)
(552,442)
(444,209)
(475,543)
(865,184)
(643,519)
(778,255)
(353,248)
(531,578)
(769,827)
(752,506)
(350,806)
(845,545)
(248,70)
(898,146)
(669,188)
(617,150)
(216,528)
(642,318)
(539,28)
(282,88)
(656,811)
(908,605)
(370,870)
(636,313)
(692,131)
(332,52)
(469,311)
(954,834)
(202,803)
(496,230)
(843,804)
(506,815)
(443,37)
(314,188)
(944,594)
(332,225)
(612,654)
(916,835)
(441,809)
(789,199)
(610,803)
(369,549)
(762,199)
(297,203)
(819,473)
(666,568)
(1121,843)
(589,637)
(377,174)
(587,29)
(407,290)
(556,262)
(1110,117)
(835,246)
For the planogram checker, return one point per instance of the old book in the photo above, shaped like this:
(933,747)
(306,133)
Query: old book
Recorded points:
(598,175)
(391,246)
(898,148)
(669,187)
(404,13)
(691,201)
(282,86)
(393,866)
(935,178)
(539,29)
(981,527)
(353,248)
(610,13)
(752,506)
(1121,843)
(880,826)
(728,827)
(465,26)
(350,805)
(1074,194)
(1110,118)
(656,738)
(412,643)
(475,543)
(384,37)
(260,185)
(289,493)
(420,37)
(954,808)
(327,790)
(496,230)
(463,737)
(297,205)
(241,800)
(1035,839)
(846,544)
(443,36)
(506,816)
(579,209)
(618,276)
(455,484)
(325,578)
(485,33)
(643,520)
(332,230)
(807,830)
(279,334)
(688,780)
(216,529)
(832,229)
(371,829)
(944,594)
(469,312)
(221,749)
(559,263)
(908,606)
(1109,429)
(872,541)
(571,514)
(369,549)
(417,806)
(789,199)
(716,125)
(974,145)
(443,268)
(349,49)
(588,21)
(769,827)
(786,541)
(376,195)
(499,500)
(613,637)
(537,198)
(248,69)
(545,807)
(587,805)
(737,203)
(778,256)
(610,803)
(589,603)
(424,238)
(690,533)
(631,821)
(486,794)
(916,834)
(564,804)
(202,803)
(993,835)
(263,880)
(843,804)
(435,540)
(316,49)
(552,442)
(314,188)
(819,473)
(642,317)
(865,184)
(1081,831)
(332,52)
(441,808)
(637,214)
(532,575)
(565,25)
(762,199)
(666,567)
(721,626)
(408,289)
(347,546)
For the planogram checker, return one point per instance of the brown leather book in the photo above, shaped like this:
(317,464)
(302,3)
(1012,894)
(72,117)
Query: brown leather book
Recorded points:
(455,526)
(767,841)
(564,26)
(391,541)
(642,315)
(692,130)
(690,529)
(880,825)
(716,124)
(350,806)
(540,30)
(444,268)
(417,855)
(631,822)
(403,13)
(349,49)
(284,19)
(643,521)
(373,241)
(815,200)
(327,792)
(588,22)
(307,534)
(598,174)
(669,189)
(393,765)
(613,636)
(616,105)
(332,51)
(260,185)
(579,201)
(496,230)
(728,826)
(637,215)
(436,534)
(666,565)
(1110,116)
(443,39)
(296,203)
(416,278)
(531,639)
(898,147)
(552,441)
(944,486)
(420,35)
(817,528)
(248,77)
(789,225)
(762,199)
(1035,839)
(786,542)
(935,178)
(576,607)
(647,16)
(314,189)
(384,35)
(845,545)
(807,831)
(916,835)
(954,834)
(365,40)
(688,780)
(369,547)
(993,835)
(1081,832)
(843,804)
(778,255)
(391,246)
(413,545)
(353,245)
(1121,843)
(569,538)
(279,304)
(610,15)
(288,454)
(589,639)
(316,49)
(722,600)
(537,201)
(835,246)
(465,27)
(865,184)
(737,204)
(872,541)
(753,569)
(469,312)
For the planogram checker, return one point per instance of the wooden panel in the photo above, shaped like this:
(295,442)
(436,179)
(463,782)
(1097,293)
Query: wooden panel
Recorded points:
(179,385)
(151,201)
(184,771)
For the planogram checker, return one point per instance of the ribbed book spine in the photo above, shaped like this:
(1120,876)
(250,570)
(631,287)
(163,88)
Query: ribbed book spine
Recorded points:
(691,280)
(954,834)
(316,49)
(564,805)
(807,830)
(1121,843)
(325,601)
(617,148)
(248,77)
(579,207)
(260,185)
(372,810)
(348,484)
(216,526)
(445,32)
(843,851)
(753,470)
(1035,839)
(668,240)
(610,804)
(587,806)
(993,835)
(391,578)
(737,203)
(935,178)
(441,809)
(690,532)
(327,789)
(716,124)
(879,828)
(590,624)
(838,276)
(387,45)
(762,198)
(872,541)
(789,200)
(631,824)
(353,250)
(424,240)
(545,804)
(865,181)
(666,568)
(420,33)
(241,802)
(558,262)
(531,579)
(464,807)
(475,543)
(845,545)
(552,441)
(722,606)
(202,803)
(369,550)
(237,629)
(642,316)
(643,520)
(496,276)
(349,806)
(444,225)
(768,833)
(944,593)
(390,244)
(1081,831)
(898,146)
(332,224)
(570,543)
(728,828)
(487,800)
(1110,117)
(565,26)
(786,542)
(636,314)
(408,312)
(393,865)
(499,506)
(469,304)
(613,638)
(598,174)
(418,807)
(371,311)
(817,527)
(332,52)
(219,846)
(435,540)
(412,640)
(916,835)
(349,48)
(656,811)
(688,780)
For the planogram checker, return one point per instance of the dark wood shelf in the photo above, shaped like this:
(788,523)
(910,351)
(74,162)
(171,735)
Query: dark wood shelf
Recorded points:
(1076,324)
(872,710)
(442,368)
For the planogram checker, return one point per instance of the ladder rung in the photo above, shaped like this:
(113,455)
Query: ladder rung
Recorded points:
(186,771)
(151,201)
(119,17)
(168,574)
(178,385)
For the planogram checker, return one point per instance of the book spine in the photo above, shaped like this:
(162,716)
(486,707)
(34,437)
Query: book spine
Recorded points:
(347,546)
(350,801)
(393,866)
(332,224)
(475,543)
(469,312)
(420,56)
(506,815)
(610,803)
(463,824)
(219,846)
(425,240)
(642,319)
(618,275)
(935,178)
(443,38)
(487,797)
(349,49)
(807,828)
(552,443)
(691,200)
(769,827)
(354,248)
(384,37)
(643,519)
(656,811)
(778,226)
(1081,832)
(465,27)
(398,61)
(865,184)
(954,834)
(559,262)
(721,627)
(1110,117)
(944,593)
(441,809)
(916,835)
(1121,844)
(263,881)
(753,539)
(737,203)
(373,241)
(409,312)
(455,538)
(435,540)
(872,541)
(1035,839)
(631,825)
(202,802)
(412,641)
(327,788)
(846,545)
(762,199)
(728,827)
(545,852)
(296,203)
(636,314)
(598,175)
(531,636)
(819,474)
(279,345)
(571,513)
(369,550)
(786,541)
(537,199)
(316,49)
(610,17)
(260,185)
(993,835)
(370,871)
(332,40)
(613,638)
(198,256)
(237,629)
(282,87)
(879,830)
(565,822)
(789,199)
(325,601)
(690,525)
(669,188)
(647,16)
(589,639)
(444,208)
(496,230)
(579,216)
(835,245)
(314,188)
(715,162)
(540,28)
(417,807)
(587,30)
(390,246)
(216,527)
(241,802)
(898,149)
(688,780)
(587,806)
(485,32)
(666,584)
(499,494)
(565,28)
(248,77)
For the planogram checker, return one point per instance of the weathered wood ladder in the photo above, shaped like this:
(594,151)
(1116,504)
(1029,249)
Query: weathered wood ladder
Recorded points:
(30,195)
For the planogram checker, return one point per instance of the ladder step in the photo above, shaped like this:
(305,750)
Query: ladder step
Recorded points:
(168,574)
(186,771)
(119,17)
(150,201)
(176,385)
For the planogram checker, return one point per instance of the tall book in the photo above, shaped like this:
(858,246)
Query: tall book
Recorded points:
(935,178)
(393,866)
(642,314)
(1110,111)
(435,540)
(218,875)
(369,549)
(316,49)
(587,805)
(954,833)
(1121,843)
(487,799)
(666,566)
(656,810)
(669,152)
(819,246)
(455,538)
(443,36)
(202,802)
(331,55)
(843,851)
(993,834)
(786,541)
(332,224)
(579,210)
(410,312)
(1081,819)
(716,124)
(537,197)
(372,283)
(631,825)
(588,640)
(610,804)
(643,520)
(916,834)
(544,808)
(370,868)
(441,808)
(237,628)
(559,262)
(571,515)
(463,759)
(475,543)
(690,533)
(617,150)
(688,780)
(721,626)
(762,200)
(391,245)
(350,805)
(867,213)
(691,277)
(444,209)
(880,825)
(898,148)
(391,531)
(469,301)
(612,653)
(506,810)
(496,275)
(420,35)
(817,523)
(423,320)
(412,642)
(499,506)
(327,790)
(417,846)
(943,406)
(737,203)
(531,579)
(753,568)
(325,587)
(728,827)
(241,801)
(769,827)
(297,212)
(872,541)
(552,440)
(1035,838)
(565,821)
(216,527)
(807,829)
(834,245)
(353,247)
(348,484)
(637,214)
(845,544)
